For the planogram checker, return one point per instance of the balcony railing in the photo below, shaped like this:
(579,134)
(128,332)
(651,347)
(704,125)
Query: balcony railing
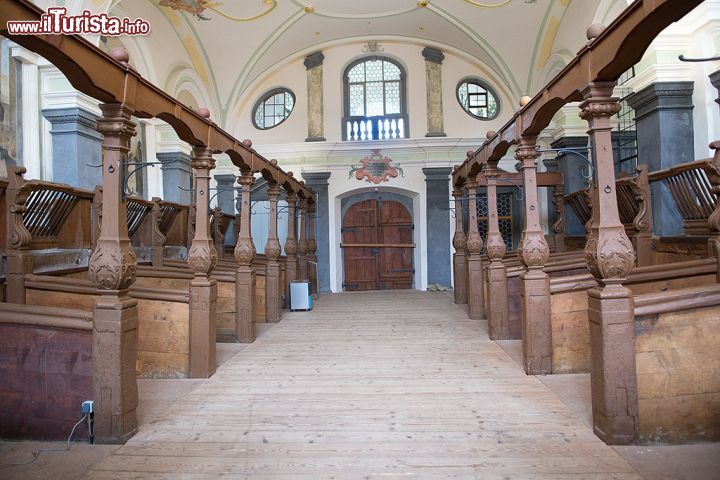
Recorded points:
(388,127)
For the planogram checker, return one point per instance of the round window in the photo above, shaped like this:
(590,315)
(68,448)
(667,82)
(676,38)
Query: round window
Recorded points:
(273,108)
(478,99)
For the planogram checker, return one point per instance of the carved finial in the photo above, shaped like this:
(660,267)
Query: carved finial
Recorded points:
(203,112)
(594,31)
(273,162)
(456,168)
(470,153)
(302,182)
(120,54)
(490,134)
(290,174)
(247,142)
(525,100)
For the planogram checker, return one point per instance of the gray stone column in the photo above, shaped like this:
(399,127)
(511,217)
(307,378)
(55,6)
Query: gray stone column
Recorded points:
(715,80)
(318,181)
(573,168)
(314,66)
(226,193)
(433,83)
(663,113)
(438,225)
(76,144)
(176,175)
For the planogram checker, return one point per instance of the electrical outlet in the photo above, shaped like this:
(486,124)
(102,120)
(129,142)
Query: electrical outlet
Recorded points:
(88,406)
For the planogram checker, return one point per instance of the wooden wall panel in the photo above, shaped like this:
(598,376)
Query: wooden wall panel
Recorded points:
(226,311)
(570,332)
(45,375)
(678,370)
(163,339)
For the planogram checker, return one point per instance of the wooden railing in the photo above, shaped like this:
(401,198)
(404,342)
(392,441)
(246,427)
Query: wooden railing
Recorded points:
(691,187)
(580,202)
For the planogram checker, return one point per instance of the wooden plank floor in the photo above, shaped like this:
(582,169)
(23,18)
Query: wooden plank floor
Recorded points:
(369,385)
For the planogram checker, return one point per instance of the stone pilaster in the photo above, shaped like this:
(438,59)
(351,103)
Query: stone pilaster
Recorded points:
(314,66)
(245,274)
(112,269)
(272,252)
(460,273)
(665,137)
(476,303)
(433,83)
(497,301)
(438,224)
(610,259)
(176,176)
(318,182)
(226,193)
(76,144)
(534,282)
(302,241)
(202,258)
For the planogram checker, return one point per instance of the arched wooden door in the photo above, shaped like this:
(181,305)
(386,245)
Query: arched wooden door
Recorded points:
(377,243)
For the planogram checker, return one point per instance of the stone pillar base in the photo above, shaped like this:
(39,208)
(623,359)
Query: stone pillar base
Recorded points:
(536,322)
(203,319)
(476,304)
(498,320)
(19,264)
(460,279)
(114,355)
(272,292)
(612,369)
(245,304)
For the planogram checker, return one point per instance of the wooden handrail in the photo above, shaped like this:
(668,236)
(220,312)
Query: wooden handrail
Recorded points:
(53,317)
(676,300)
(377,245)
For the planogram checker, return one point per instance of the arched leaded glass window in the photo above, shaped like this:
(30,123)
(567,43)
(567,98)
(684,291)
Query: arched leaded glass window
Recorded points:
(478,99)
(273,108)
(375,107)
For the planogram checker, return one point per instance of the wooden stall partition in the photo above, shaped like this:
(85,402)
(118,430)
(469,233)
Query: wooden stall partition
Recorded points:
(38,402)
(677,335)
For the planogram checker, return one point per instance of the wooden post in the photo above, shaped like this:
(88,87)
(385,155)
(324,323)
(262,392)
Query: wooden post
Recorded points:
(498,320)
(202,258)
(112,269)
(245,274)
(558,226)
(19,256)
(476,303)
(460,273)
(643,222)
(312,250)
(714,219)
(291,268)
(302,242)
(272,252)
(158,238)
(534,282)
(610,259)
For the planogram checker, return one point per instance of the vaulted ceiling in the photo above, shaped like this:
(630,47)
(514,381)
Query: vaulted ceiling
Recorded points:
(228,51)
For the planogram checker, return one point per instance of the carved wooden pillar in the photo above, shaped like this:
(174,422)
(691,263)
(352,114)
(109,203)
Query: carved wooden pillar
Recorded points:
(112,269)
(610,258)
(19,256)
(558,226)
(498,322)
(460,273)
(158,238)
(302,242)
(534,282)
(245,274)
(272,252)
(312,250)
(476,303)
(291,268)
(714,219)
(202,258)
(216,233)
(643,222)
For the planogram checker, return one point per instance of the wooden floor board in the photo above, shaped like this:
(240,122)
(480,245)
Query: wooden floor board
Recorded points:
(369,385)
